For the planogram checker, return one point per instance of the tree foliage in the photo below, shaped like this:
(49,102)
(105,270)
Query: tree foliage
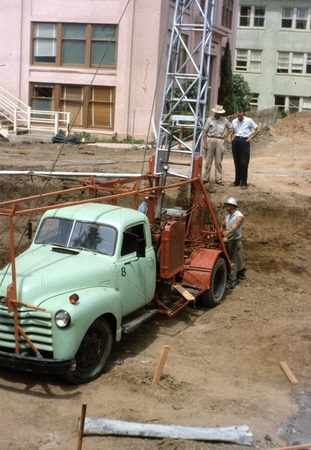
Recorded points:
(242,95)
(225,92)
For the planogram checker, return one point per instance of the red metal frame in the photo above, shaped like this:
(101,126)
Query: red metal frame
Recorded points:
(176,264)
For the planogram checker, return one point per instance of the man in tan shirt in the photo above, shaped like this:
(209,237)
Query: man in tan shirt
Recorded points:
(216,131)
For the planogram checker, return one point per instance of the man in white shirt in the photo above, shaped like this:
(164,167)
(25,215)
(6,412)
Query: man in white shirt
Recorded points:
(241,137)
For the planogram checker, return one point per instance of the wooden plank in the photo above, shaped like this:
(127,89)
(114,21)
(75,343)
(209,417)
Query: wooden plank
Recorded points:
(186,294)
(81,429)
(288,372)
(160,365)
(294,447)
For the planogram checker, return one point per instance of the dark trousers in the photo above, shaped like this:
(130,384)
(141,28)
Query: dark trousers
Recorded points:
(233,248)
(241,154)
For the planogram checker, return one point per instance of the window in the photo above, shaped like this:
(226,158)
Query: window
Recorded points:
(100,107)
(131,237)
(72,101)
(292,63)
(287,18)
(255,61)
(297,63)
(248,60)
(43,99)
(293,103)
(74,44)
(252,16)
(226,18)
(80,45)
(241,60)
(259,17)
(103,45)
(283,62)
(89,108)
(245,16)
(296,18)
(254,102)
(301,18)
(279,101)
(44,43)
(306,104)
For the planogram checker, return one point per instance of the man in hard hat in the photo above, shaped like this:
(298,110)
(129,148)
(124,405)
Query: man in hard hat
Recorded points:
(231,227)
(216,130)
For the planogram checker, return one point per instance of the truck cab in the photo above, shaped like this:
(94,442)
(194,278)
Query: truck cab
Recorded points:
(88,269)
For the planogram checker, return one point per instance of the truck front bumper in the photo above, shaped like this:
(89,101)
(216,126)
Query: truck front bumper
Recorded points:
(36,364)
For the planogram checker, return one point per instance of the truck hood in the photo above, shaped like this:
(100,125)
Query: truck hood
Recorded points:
(42,273)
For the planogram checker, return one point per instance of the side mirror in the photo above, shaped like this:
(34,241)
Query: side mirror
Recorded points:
(140,248)
(29,230)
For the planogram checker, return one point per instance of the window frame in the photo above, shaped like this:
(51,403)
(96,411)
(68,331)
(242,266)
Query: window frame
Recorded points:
(60,40)
(292,21)
(293,63)
(59,101)
(252,16)
(248,59)
(227,13)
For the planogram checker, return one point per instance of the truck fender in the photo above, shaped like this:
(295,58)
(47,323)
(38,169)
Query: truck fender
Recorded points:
(92,304)
(199,267)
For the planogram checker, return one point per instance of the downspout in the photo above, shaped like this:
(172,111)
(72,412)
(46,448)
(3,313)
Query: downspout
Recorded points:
(130,72)
(20,50)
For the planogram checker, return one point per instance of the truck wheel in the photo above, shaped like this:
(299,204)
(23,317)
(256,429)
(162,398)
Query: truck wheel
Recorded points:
(215,294)
(92,354)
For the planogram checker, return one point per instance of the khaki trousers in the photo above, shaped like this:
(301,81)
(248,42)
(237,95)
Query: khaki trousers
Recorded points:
(215,149)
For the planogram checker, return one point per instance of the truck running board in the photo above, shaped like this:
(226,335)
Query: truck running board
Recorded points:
(133,321)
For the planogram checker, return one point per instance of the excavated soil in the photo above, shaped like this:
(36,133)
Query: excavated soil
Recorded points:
(223,366)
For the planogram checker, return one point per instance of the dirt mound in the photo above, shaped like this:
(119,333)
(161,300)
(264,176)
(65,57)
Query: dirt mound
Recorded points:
(295,124)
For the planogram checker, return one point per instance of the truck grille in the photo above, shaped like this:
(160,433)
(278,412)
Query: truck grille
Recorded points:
(36,324)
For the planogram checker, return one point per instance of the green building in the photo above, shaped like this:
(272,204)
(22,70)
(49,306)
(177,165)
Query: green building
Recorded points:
(273,52)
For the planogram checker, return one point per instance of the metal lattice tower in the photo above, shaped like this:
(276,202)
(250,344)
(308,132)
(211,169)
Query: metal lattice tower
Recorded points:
(179,138)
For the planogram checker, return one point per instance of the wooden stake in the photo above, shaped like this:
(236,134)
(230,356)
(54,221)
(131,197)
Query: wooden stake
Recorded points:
(82,420)
(288,372)
(160,365)
(295,447)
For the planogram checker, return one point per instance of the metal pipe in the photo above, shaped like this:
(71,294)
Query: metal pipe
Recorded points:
(235,434)
(74,174)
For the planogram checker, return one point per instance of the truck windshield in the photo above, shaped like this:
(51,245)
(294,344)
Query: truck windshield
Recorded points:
(74,234)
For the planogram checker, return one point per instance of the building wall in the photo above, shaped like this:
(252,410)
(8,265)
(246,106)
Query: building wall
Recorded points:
(141,53)
(271,39)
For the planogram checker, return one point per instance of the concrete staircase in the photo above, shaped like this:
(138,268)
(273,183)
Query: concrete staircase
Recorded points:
(18,119)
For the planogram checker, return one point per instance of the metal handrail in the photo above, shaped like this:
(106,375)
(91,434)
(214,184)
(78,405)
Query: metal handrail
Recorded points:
(23,117)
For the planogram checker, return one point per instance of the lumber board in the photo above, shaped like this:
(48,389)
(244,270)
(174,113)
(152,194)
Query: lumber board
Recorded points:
(288,372)
(160,365)
(186,294)
(294,447)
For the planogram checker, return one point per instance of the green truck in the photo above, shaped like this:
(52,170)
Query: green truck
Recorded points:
(94,271)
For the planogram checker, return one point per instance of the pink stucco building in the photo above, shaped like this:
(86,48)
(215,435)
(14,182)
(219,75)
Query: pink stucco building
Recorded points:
(101,60)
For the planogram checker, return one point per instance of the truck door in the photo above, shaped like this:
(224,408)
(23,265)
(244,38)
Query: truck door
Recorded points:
(137,274)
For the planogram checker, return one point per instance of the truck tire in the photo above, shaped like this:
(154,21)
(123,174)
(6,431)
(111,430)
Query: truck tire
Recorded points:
(92,354)
(215,294)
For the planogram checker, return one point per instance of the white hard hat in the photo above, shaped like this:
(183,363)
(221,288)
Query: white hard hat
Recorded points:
(231,201)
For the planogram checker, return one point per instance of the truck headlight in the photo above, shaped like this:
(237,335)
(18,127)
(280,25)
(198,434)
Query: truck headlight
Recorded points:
(62,318)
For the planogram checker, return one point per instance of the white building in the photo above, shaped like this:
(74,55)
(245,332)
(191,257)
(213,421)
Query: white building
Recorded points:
(273,52)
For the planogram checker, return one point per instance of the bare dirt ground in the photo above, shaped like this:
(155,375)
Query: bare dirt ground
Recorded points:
(223,364)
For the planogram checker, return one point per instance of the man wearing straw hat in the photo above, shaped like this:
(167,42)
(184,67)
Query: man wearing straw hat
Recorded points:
(216,130)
